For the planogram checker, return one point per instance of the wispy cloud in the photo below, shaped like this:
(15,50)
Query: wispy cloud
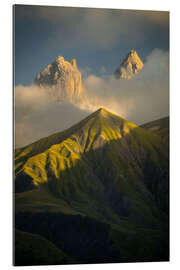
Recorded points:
(38,114)
(143,98)
(98,28)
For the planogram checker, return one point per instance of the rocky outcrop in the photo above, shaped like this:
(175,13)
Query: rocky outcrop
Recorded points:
(63,77)
(130,66)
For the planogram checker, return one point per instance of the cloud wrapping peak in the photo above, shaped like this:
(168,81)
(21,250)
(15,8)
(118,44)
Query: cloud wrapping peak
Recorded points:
(38,114)
(143,98)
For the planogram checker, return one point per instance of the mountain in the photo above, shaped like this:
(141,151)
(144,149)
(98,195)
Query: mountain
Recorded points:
(130,66)
(98,191)
(159,127)
(63,77)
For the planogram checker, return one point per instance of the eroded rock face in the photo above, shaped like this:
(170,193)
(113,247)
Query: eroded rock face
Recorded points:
(64,77)
(130,66)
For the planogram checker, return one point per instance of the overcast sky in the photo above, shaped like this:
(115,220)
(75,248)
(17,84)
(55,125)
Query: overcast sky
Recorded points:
(99,39)
(95,37)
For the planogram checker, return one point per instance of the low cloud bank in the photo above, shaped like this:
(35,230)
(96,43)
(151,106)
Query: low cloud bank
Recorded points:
(143,98)
(38,114)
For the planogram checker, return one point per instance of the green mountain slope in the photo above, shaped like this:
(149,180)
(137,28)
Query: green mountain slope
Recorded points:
(32,249)
(159,127)
(102,180)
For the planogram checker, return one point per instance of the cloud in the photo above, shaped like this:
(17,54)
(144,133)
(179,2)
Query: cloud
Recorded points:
(59,14)
(86,71)
(142,99)
(96,28)
(103,71)
(37,114)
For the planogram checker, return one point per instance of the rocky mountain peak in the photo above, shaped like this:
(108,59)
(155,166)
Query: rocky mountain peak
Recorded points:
(101,110)
(60,59)
(74,63)
(130,66)
(64,77)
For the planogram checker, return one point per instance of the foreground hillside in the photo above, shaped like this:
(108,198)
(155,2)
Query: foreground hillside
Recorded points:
(98,191)
(33,249)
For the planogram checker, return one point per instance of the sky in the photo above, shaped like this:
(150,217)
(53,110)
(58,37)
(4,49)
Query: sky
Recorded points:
(99,39)
(95,37)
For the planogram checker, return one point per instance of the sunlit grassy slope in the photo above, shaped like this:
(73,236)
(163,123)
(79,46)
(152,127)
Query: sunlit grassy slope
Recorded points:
(106,169)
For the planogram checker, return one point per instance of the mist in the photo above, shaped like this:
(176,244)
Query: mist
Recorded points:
(142,99)
(38,114)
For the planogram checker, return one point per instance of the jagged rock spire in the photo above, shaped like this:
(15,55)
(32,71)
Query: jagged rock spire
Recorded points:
(130,66)
(64,77)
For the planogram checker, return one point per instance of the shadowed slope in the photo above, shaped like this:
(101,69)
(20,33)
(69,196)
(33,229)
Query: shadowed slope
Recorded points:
(101,146)
(97,128)
(33,249)
(106,169)
(159,127)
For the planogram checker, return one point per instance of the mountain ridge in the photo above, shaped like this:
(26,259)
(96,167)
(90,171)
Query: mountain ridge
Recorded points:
(105,175)
(101,130)
(159,127)
(101,112)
